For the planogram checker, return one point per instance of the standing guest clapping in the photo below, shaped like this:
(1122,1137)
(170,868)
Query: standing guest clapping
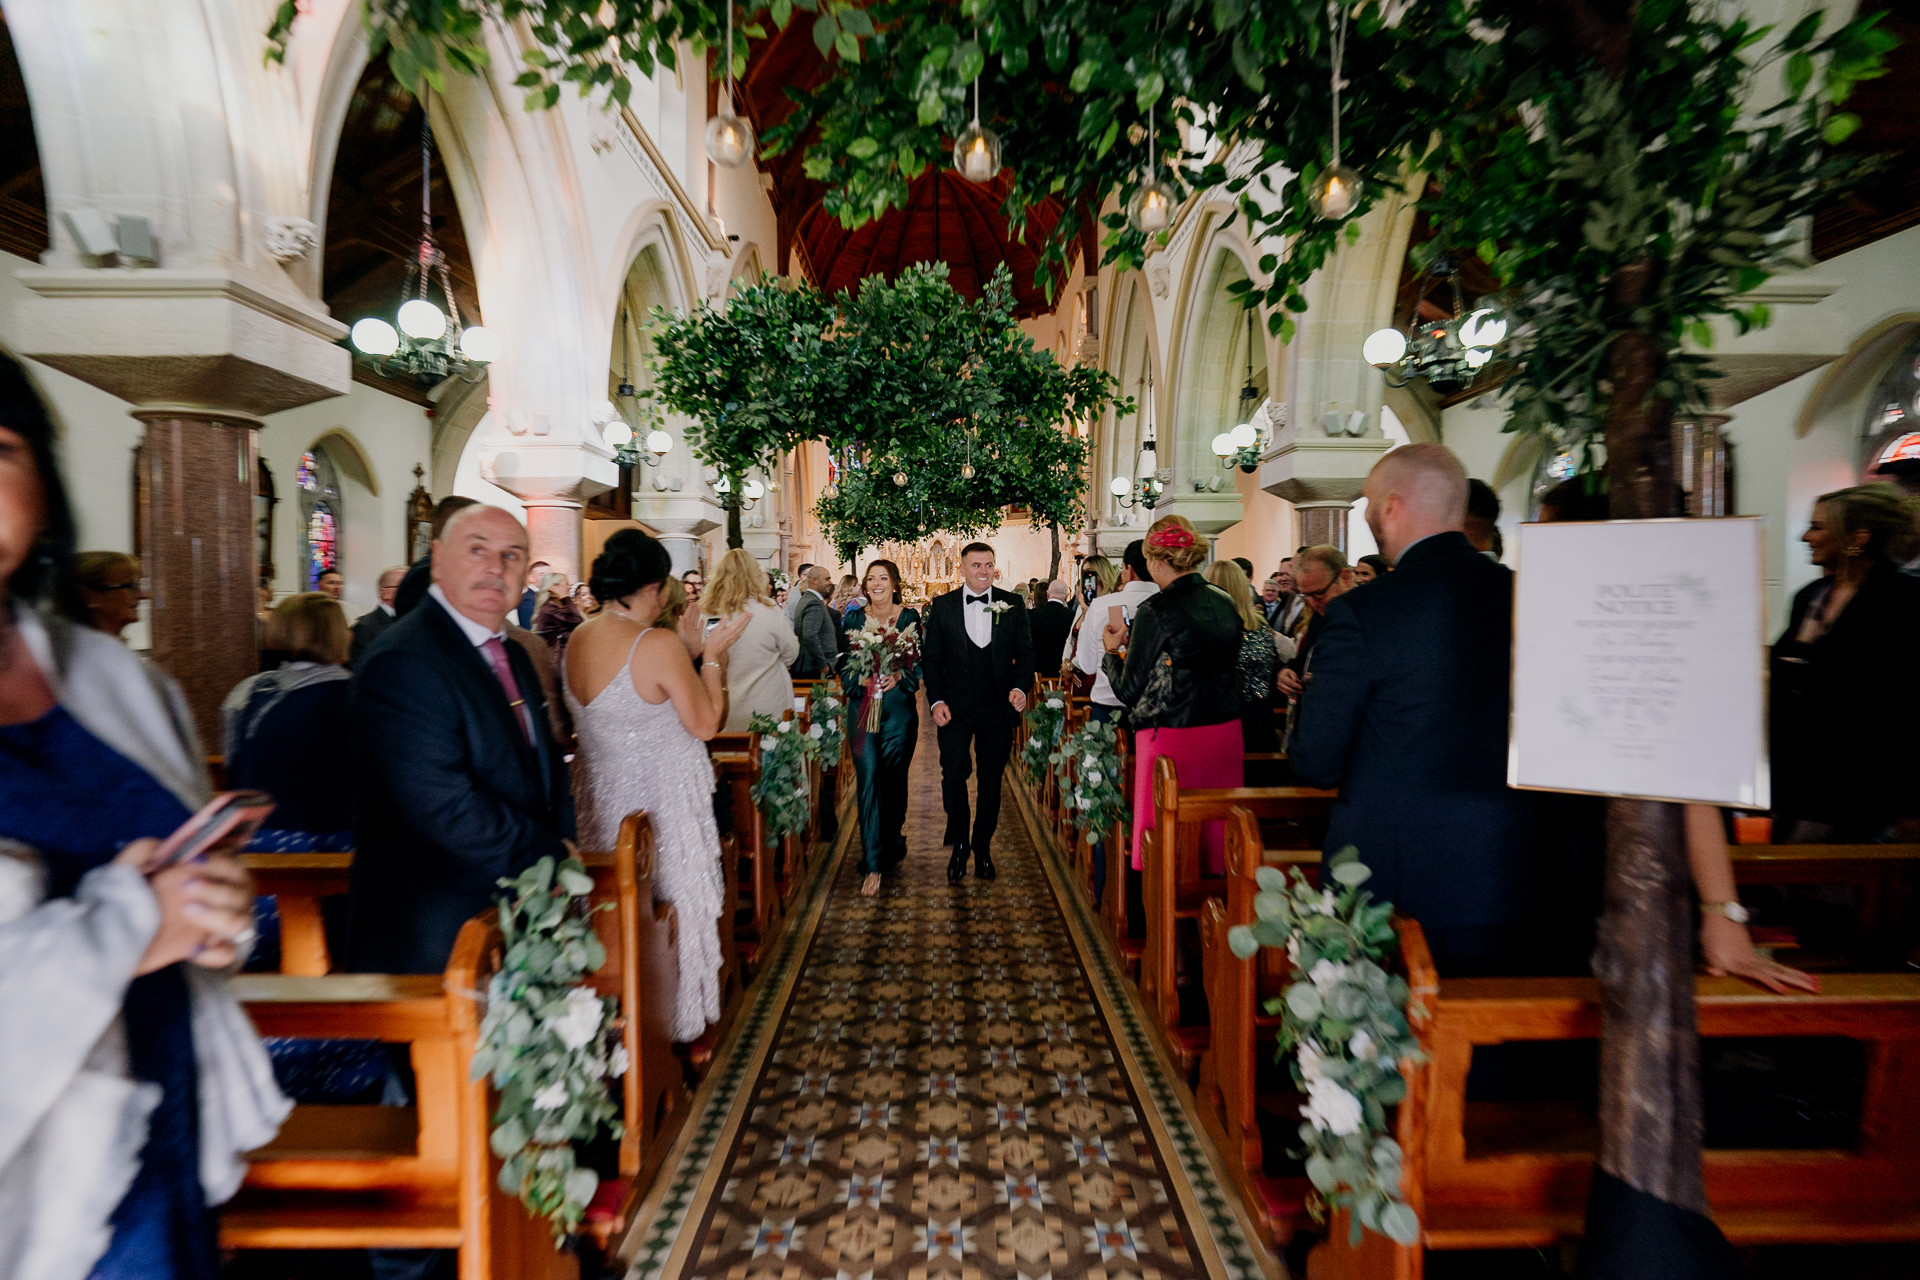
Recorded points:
(284,731)
(133,1083)
(457,779)
(643,716)
(757,679)
(1180,680)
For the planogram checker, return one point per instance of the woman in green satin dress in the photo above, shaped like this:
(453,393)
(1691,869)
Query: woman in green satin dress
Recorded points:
(881,760)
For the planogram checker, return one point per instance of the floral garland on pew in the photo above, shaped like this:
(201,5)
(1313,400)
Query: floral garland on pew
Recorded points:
(781,790)
(550,1044)
(1344,1018)
(1088,767)
(827,710)
(1045,719)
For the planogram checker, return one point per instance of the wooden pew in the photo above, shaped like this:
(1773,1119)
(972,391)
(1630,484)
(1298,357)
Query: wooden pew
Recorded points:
(1883,874)
(419,1177)
(299,882)
(756,923)
(1173,887)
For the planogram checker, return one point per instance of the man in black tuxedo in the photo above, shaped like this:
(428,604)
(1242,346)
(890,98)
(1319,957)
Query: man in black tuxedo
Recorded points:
(457,780)
(1405,711)
(976,658)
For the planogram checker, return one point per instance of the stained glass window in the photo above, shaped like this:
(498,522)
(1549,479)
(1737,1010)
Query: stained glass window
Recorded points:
(1905,449)
(306,476)
(323,544)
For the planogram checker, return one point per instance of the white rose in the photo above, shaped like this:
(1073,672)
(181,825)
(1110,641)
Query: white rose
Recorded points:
(1332,1108)
(786,726)
(768,742)
(1094,776)
(1325,905)
(617,1061)
(578,1021)
(1088,761)
(1309,1061)
(1055,703)
(1293,950)
(551,1098)
(1362,1046)
(817,731)
(1326,972)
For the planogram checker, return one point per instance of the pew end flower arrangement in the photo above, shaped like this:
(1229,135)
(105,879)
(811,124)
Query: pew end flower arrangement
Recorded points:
(1088,768)
(1045,720)
(1344,1018)
(549,1044)
(781,790)
(874,654)
(827,721)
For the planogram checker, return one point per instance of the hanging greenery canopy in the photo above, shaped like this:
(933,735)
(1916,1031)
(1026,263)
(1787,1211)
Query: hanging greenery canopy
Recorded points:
(905,379)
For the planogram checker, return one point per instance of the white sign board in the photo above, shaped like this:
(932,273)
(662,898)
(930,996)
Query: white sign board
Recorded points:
(1639,661)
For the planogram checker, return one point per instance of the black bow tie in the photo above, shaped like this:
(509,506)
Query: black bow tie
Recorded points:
(974,599)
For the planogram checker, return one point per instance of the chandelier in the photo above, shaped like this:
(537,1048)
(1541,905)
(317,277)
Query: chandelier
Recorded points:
(1144,487)
(1448,353)
(1242,445)
(425,347)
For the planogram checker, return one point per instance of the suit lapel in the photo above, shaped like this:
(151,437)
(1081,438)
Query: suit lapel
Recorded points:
(484,687)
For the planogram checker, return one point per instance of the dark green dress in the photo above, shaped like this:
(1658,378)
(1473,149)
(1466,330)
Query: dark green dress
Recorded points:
(881,760)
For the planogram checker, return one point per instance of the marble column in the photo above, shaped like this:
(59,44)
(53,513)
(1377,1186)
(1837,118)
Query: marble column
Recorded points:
(553,534)
(1324,523)
(1321,476)
(200,559)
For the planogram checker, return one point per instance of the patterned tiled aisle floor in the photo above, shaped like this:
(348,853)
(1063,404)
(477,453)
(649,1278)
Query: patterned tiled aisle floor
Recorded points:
(943,1097)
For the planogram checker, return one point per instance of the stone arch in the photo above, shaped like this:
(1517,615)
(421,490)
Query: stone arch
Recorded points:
(350,456)
(1838,397)
(1208,368)
(1132,350)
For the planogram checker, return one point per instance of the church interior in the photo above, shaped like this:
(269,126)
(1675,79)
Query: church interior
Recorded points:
(1014,1079)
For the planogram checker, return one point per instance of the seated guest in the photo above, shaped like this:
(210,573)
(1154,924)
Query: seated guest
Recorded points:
(1050,623)
(1180,679)
(1406,713)
(372,624)
(284,731)
(457,780)
(1259,660)
(110,586)
(557,615)
(121,1128)
(1368,568)
(1844,761)
(757,680)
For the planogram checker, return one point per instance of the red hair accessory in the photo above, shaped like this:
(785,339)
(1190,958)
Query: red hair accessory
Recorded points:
(1172,536)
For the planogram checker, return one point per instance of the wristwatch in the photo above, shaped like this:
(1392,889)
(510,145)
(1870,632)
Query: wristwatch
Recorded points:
(1731,910)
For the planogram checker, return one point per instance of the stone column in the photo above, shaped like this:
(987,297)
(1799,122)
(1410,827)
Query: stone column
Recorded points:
(553,472)
(199,555)
(203,353)
(1323,523)
(553,534)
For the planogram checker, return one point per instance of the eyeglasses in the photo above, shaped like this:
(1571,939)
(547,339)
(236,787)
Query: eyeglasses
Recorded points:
(120,586)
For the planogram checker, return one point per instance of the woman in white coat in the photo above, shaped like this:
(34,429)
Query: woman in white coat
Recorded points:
(757,679)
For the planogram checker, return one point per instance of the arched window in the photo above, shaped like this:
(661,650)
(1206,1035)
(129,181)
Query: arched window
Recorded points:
(320,512)
(1890,437)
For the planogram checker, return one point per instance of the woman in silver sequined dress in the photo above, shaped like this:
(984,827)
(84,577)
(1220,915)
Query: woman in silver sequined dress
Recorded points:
(643,716)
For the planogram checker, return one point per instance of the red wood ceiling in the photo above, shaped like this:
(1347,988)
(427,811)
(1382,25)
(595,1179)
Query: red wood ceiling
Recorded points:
(946,219)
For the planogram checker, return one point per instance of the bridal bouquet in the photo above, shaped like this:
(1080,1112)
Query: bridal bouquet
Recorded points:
(878,652)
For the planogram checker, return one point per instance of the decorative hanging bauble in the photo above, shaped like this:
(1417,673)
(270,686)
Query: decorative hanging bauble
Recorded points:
(1335,193)
(976,153)
(966,471)
(900,478)
(729,140)
(1152,207)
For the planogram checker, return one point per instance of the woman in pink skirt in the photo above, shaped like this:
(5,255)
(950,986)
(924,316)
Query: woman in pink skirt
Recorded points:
(1179,680)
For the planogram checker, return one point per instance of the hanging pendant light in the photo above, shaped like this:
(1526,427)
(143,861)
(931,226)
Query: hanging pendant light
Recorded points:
(428,345)
(729,137)
(976,152)
(1336,192)
(1152,207)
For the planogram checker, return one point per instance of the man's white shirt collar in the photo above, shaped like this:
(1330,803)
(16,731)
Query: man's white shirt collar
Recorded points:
(388,609)
(475,633)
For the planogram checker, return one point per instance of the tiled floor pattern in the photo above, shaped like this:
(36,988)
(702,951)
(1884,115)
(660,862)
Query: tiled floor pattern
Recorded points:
(943,1098)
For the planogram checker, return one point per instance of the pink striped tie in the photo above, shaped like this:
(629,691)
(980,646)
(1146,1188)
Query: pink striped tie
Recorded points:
(496,650)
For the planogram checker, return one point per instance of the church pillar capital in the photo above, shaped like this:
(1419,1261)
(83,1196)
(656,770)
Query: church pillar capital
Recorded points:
(553,476)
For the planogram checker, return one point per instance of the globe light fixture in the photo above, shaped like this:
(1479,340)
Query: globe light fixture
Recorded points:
(1241,444)
(966,471)
(659,443)
(1384,347)
(753,490)
(1223,445)
(1244,436)
(429,345)
(479,344)
(829,490)
(375,337)
(1151,209)
(1120,487)
(1334,193)
(729,138)
(1484,329)
(723,485)
(900,479)
(617,433)
(421,319)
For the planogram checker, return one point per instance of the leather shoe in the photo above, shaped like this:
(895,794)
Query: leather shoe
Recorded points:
(983,865)
(957,865)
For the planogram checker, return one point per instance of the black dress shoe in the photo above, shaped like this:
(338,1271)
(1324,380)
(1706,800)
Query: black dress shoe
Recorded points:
(957,865)
(983,865)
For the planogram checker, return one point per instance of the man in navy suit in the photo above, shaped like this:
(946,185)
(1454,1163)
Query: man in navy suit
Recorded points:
(977,661)
(457,780)
(1406,713)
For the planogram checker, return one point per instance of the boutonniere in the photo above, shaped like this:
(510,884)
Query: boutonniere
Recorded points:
(997,608)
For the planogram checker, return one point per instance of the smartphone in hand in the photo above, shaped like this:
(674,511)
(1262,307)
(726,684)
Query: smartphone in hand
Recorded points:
(230,818)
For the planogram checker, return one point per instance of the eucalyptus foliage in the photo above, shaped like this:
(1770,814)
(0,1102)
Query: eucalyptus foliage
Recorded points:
(827,709)
(781,790)
(549,1043)
(1046,718)
(1087,765)
(1344,1020)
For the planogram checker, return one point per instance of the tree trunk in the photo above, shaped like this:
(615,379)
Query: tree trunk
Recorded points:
(1650,1121)
(733,513)
(1053,569)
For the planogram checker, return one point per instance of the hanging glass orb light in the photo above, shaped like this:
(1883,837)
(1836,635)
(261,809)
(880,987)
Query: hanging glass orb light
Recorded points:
(966,471)
(923,526)
(830,490)
(900,478)
(729,140)
(1151,209)
(1335,193)
(976,153)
